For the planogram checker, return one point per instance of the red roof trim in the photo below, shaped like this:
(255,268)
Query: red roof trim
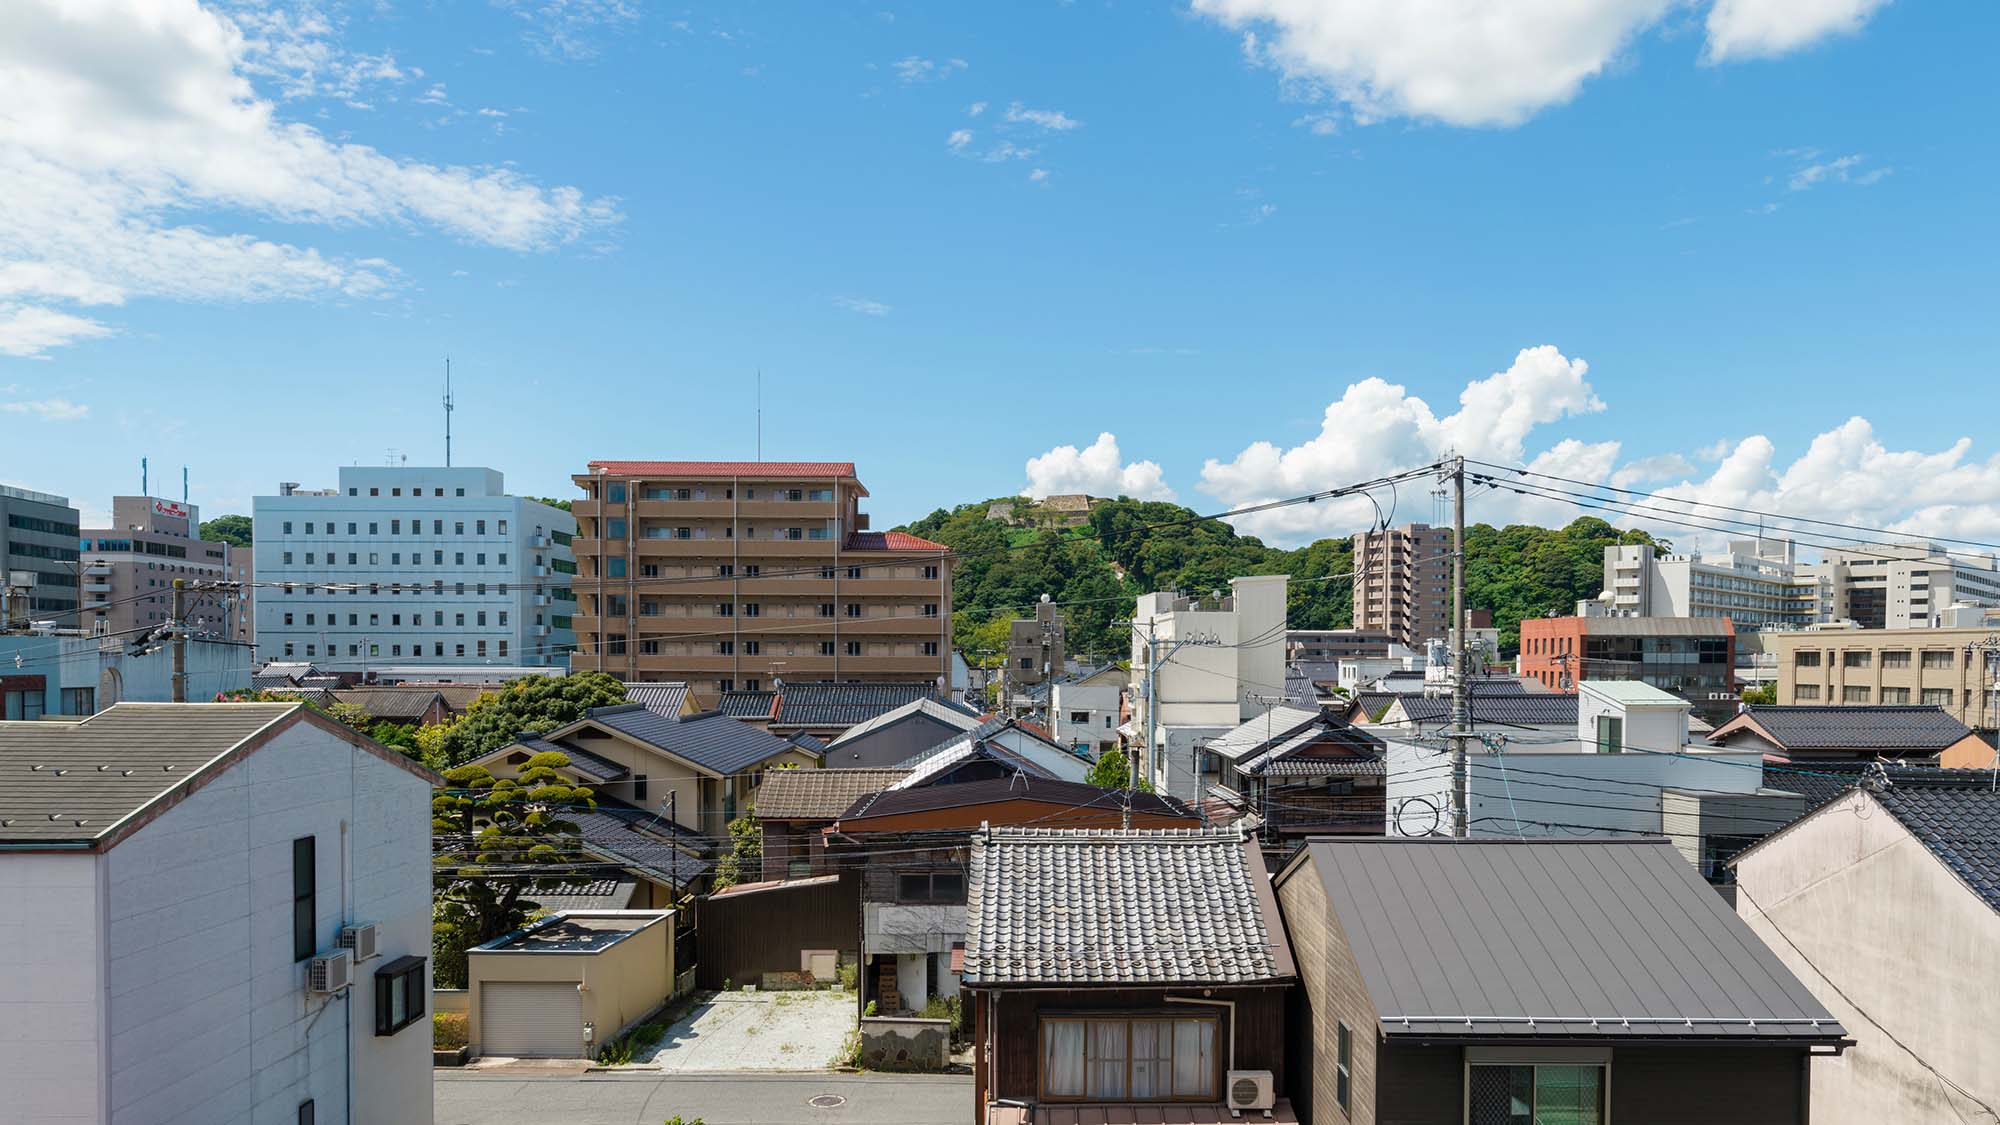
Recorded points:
(892,541)
(843,469)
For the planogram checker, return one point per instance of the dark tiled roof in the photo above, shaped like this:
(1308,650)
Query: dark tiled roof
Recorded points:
(1323,767)
(818,794)
(987,791)
(1911,730)
(1333,750)
(843,705)
(1566,932)
(1048,906)
(659,698)
(585,894)
(263,682)
(390,704)
(1820,782)
(714,742)
(747,704)
(951,715)
(643,843)
(76,781)
(805,741)
(1521,709)
(1959,824)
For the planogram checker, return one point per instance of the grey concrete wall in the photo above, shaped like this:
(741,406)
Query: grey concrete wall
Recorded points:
(899,1043)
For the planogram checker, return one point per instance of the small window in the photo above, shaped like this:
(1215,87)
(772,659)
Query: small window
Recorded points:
(306,1107)
(854,648)
(305,907)
(1343,1080)
(399,995)
(1610,734)
(639,787)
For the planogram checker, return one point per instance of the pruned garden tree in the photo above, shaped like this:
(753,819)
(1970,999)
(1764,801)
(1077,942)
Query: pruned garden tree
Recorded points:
(745,861)
(498,840)
(531,703)
(1113,770)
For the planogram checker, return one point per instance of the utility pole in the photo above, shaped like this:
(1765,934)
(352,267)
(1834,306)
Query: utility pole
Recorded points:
(1461,685)
(447,412)
(174,622)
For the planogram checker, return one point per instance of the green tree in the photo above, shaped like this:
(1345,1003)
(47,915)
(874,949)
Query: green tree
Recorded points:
(1113,770)
(746,853)
(498,840)
(553,503)
(233,530)
(531,703)
(1766,694)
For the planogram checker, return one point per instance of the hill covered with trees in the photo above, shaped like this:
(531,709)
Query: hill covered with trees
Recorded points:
(1131,547)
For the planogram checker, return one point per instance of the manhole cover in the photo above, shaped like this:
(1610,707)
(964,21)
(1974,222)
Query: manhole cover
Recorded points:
(826,1101)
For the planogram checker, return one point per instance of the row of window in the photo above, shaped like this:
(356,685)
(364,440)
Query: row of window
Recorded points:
(375,649)
(1861,693)
(614,529)
(614,644)
(415,589)
(614,492)
(1932,659)
(395,558)
(615,605)
(396,527)
(398,492)
(35,523)
(396,619)
(615,567)
(27,704)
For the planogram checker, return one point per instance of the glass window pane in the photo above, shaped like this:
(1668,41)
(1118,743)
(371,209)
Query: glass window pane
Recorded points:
(1568,1095)
(1194,1058)
(1062,1058)
(1107,1060)
(1501,1095)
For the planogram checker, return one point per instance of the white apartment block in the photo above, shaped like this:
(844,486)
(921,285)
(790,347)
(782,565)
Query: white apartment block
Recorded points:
(1756,583)
(1221,663)
(1903,585)
(413,566)
(173,938)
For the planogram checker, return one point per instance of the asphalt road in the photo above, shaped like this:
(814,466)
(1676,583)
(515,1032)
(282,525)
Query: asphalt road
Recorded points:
(717,1099)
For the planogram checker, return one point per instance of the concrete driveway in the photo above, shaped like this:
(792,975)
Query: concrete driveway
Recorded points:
(733,1031)
(628,1098)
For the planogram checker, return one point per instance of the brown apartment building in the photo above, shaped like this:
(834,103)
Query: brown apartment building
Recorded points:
(1402,583)
(129,570)
(732,574)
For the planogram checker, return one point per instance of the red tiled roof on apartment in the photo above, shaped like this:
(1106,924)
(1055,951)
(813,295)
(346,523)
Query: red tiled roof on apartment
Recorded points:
(891,541)
(725,468)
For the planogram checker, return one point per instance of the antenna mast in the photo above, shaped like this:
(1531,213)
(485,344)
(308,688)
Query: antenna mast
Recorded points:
(447,412)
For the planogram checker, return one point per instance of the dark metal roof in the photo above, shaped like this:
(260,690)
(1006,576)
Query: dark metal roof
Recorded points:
(714,742)
(1510,939)
(1163,906)
(747,704)
(1523,709)
(667,698)
(1889,729)
(843,705)
(1959,824)
(819,794)
(950,716)
(570,933)
(805,741)
(987,791)
(585,894)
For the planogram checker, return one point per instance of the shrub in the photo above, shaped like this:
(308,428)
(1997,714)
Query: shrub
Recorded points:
(448,1031)
(869,1010)
(849,973)
(677,1119)
(949,1008)
(850,1051)
(623,1049)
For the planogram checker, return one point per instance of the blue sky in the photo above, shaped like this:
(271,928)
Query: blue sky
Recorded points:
(1675,245)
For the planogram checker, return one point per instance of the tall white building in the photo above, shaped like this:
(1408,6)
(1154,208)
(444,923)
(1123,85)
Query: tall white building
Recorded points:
(1220,662)
(1756,583)
(413,566)
(1902,585)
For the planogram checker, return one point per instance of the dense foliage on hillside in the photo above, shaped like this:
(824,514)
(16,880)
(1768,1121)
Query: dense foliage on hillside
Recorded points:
(1131,547)
(233,530)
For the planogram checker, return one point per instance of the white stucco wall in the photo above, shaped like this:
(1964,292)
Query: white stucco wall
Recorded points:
(51,997)
(1100,700)
(209,1019)
(1882,919)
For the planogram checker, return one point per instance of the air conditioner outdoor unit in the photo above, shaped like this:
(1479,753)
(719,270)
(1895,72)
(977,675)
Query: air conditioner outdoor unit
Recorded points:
(362,938)
(1251,1089)
(330,972)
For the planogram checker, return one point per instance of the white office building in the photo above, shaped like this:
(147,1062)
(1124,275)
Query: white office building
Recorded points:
(1903,585)
(1200,668)
(1756,583)
(413,566)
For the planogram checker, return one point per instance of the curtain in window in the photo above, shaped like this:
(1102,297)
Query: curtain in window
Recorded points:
(1152,1058)
(1107,1060)
(1194,1058)
(1568,1095)
(1062,1058)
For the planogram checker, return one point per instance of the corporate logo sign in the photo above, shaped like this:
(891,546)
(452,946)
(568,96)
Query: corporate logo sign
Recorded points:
(169,508)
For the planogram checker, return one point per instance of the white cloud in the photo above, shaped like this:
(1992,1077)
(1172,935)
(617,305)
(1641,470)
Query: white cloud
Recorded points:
(297,49)
(130,133)
(1098,470)
(1841,169)
(862,305)
(1053,120)
(1488,62)
(914,69)
(975,109)
(1038,176)
(1750,29)
(1647,469)
(48,409)
(570,29)
(958,140)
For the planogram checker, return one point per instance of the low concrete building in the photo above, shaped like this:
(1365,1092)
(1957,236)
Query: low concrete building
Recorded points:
(1084,710)
(76,674)
(1806,734)
(221,914)
(568,984)
(1886,903)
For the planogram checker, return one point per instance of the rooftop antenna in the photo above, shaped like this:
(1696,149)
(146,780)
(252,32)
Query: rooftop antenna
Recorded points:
(184,485)
(447,412)
(145,486)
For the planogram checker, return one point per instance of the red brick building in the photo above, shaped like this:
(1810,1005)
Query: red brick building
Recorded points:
(1693,657)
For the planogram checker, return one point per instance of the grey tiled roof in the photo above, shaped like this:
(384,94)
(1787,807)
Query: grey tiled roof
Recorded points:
(1156,907)
(747,704)
(643,844)
(1522,709)
(585,894)
(1587,938)
(1323,767)
(1274,725)
(1075,795)
(1334,750)
(1820,782)
(660,698)
(818,794)
(715,742)
(390,704)
(1959,824)
(954,717)
(805,741)
(843,705)
(1891,729)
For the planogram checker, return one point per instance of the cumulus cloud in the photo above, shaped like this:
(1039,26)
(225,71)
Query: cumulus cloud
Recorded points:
(913,70)
(1751,29)
(130,132)
(862,305)
(1053,120)
(47,409)
(958,140)
(1099,470)
(1489,62)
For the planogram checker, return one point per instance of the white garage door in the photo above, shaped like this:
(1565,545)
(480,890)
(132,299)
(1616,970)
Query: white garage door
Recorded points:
(531,1020)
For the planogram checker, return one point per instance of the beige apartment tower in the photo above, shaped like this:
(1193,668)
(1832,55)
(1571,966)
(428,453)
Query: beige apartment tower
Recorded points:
(731,575)
(1956,669)
(1402,583)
